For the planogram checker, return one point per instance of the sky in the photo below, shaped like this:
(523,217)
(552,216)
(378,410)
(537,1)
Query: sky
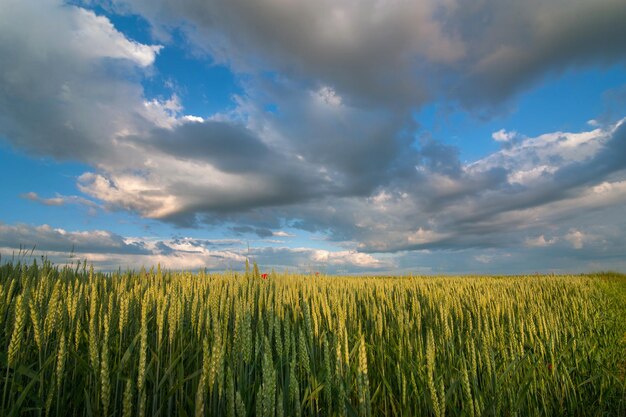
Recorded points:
(340,136)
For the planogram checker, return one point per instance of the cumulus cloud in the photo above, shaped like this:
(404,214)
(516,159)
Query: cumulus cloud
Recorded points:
(488,203)
(503,136)
(151,158)
(64,80)
(219,166)
(337,154)
(576,238)
(95,37)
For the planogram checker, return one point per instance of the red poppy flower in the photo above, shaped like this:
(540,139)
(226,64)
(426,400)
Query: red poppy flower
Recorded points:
(550,367)
(264,276)
(317,274)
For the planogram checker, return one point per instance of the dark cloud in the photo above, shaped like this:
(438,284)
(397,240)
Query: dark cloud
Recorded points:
(440,158)
(313,146)
(515,45)
(260,232)
(401,54)
(552,181)
(371,56)
(163,248)
(228,146)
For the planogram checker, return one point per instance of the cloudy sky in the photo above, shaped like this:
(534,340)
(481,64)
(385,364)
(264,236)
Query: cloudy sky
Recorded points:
(343,136)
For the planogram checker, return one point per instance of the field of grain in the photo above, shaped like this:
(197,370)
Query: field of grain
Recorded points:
(156,343)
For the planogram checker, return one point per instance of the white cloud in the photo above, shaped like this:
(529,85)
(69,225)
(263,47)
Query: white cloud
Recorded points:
(422,237)
(532,175)
(329,96)
(504,136)
(576,238)
(358,259)
(536,159)
(131,192)
(164,113)
(95,37)
(194,119)
(593,123)
(485,259)
(539,242)
(74,73)
(282,233)
(59,200)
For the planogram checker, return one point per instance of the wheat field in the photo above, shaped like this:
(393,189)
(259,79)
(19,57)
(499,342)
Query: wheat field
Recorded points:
(158,343)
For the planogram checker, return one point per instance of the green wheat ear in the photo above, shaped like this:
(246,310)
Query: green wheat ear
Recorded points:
(158,342)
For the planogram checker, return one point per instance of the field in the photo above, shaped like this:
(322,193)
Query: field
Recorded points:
(157,343)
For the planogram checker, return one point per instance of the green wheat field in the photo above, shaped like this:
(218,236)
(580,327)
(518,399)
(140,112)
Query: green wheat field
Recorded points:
(157,343)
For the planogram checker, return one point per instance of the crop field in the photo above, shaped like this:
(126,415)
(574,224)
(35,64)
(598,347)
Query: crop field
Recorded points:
(157,343)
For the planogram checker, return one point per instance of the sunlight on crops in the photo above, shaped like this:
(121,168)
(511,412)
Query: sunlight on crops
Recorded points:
(150,343)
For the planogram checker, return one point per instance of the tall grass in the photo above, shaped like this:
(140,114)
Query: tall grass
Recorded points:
(76,342)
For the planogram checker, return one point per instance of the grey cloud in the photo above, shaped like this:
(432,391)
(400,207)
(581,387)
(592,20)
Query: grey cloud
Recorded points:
(233,148)
(440,158)
(46,238)
(402,53)
(520,43)
(481,205)
(59,200)
(503,262)
(311,147)
(230,147)
(260,232)
(109,251)
(344,45)
(207,243)
(566,182)
(356,148)
(60,93)
(32,196)
(602,248)
(163,248)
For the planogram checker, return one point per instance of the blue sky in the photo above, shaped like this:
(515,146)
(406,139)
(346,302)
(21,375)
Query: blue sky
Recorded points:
(430,138)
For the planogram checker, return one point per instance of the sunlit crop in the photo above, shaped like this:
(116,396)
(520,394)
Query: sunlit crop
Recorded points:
(156,343)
